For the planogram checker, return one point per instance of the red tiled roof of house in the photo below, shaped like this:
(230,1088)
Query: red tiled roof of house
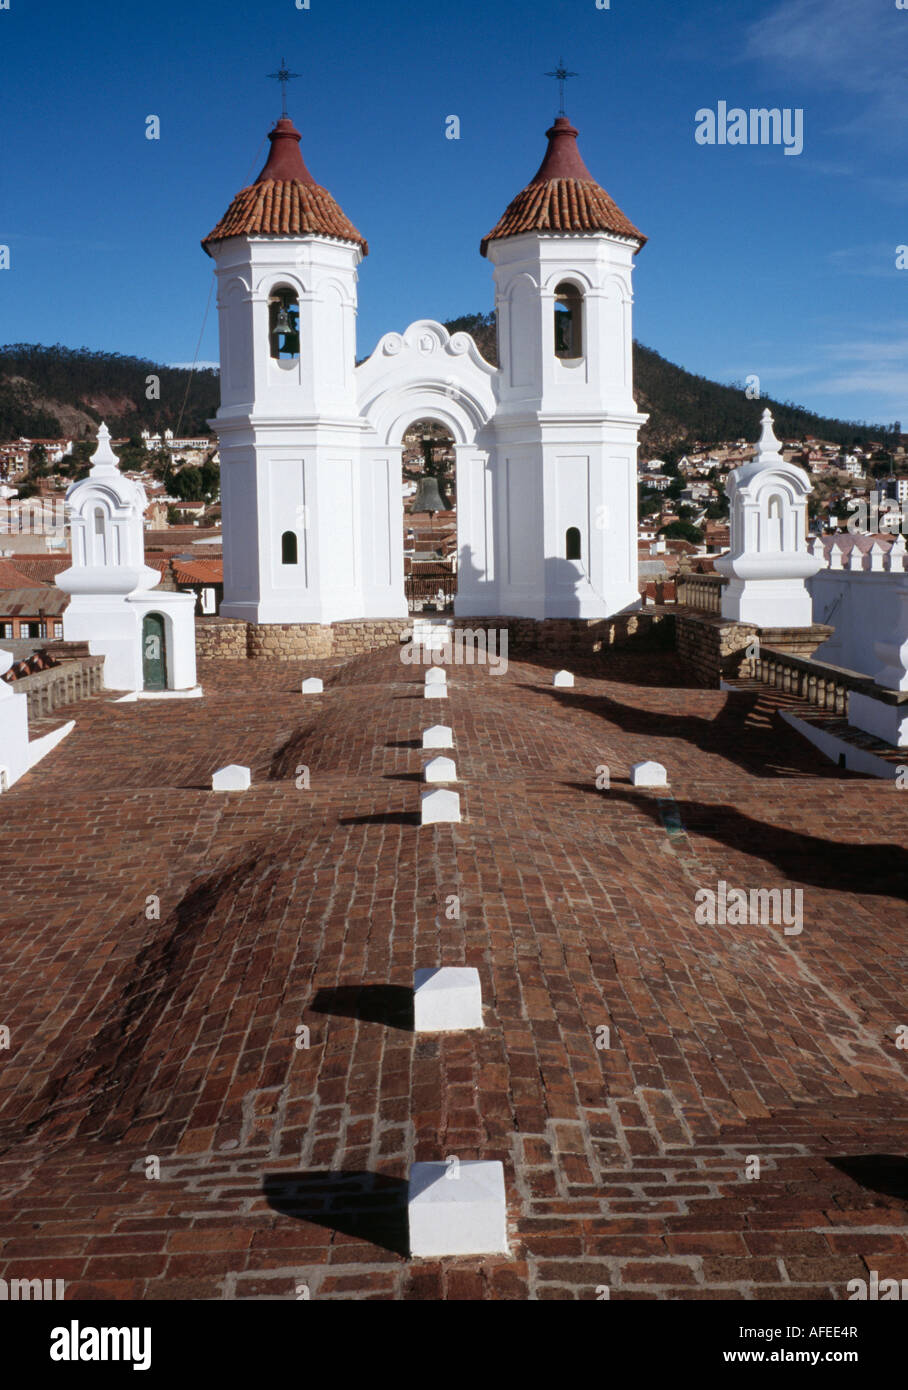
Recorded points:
(285,200)
(562,196)
(30,600)
(43,568)
(198,571)
(12,577)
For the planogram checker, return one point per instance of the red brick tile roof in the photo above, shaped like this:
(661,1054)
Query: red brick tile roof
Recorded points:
(562,196)
(31,601)
(623,1163)
(43,568)
(198,571)
(14,577)
(285,200)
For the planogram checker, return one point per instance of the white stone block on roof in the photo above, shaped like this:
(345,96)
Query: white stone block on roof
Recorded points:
(436,675)
(440,770)
(313,685)
(232,778)
(565,678)
(439,736)
(649,774)
(457,1208)
(446,999)
(439,806)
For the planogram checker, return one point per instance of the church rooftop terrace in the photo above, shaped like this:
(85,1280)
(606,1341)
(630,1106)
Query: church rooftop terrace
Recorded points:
(284,906)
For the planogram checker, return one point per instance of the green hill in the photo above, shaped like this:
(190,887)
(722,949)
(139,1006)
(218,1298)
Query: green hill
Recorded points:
(683,407)
(49,391)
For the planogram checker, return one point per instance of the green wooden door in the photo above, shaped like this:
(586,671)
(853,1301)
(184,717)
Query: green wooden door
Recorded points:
(154,654)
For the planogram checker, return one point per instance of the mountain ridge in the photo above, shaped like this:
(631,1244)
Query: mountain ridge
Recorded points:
(46,392)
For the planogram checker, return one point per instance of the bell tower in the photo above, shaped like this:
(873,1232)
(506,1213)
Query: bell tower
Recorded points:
(566,424)
(294,490)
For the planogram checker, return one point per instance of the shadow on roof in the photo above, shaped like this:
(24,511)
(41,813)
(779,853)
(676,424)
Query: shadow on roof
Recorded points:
(754,739)
(366,1206)
(885,1173)
(391,1005)
(868,870)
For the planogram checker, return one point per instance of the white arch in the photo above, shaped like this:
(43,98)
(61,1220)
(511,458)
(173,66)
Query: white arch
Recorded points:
(274,278)
(394,411)
(578,278)
(330,282)
(237,284)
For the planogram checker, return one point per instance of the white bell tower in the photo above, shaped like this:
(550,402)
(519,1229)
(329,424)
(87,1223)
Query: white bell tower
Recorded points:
(299,505)
(566,424)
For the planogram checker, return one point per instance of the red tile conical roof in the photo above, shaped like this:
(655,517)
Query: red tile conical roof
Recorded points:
(285,200)
(562,196)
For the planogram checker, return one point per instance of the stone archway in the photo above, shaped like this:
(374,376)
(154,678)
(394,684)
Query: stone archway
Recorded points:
(429,463)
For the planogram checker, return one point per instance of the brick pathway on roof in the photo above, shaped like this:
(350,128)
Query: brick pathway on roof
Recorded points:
(285,1166)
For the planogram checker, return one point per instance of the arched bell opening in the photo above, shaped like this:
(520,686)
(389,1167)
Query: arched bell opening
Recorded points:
(284,324)
(572,545)
(430,517)
(568,321)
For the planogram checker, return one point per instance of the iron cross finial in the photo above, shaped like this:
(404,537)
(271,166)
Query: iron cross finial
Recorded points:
(562,74)
(283,75)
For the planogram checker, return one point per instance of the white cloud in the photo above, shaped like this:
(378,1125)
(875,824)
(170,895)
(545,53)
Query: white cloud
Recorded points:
(875,260)
(843,45)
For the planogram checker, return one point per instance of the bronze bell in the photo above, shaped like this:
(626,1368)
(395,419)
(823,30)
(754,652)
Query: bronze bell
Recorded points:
(427,497)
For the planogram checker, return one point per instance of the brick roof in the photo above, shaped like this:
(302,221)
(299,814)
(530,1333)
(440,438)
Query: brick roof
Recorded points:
(198,571)
(30,601)
(562,196)
(43,568)
(623,1163)
(16,576)
(285,200)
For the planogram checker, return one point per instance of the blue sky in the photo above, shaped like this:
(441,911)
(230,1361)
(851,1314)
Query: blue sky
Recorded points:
(757,262)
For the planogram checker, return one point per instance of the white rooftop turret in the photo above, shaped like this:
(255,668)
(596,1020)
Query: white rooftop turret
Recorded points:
(768,560)
(147,639)
(108,543)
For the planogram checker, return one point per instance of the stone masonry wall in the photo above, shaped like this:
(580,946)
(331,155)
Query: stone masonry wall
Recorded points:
(233,639)
(220,637)
(714,649)
(711,648)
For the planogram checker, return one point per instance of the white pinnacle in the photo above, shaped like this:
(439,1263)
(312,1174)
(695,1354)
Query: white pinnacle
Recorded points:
(768,446)
(103,460)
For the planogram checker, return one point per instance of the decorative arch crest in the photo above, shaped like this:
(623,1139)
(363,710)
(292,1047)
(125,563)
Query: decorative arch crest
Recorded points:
(426,372)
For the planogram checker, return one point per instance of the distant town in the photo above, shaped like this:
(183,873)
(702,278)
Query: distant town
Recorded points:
(682,513)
